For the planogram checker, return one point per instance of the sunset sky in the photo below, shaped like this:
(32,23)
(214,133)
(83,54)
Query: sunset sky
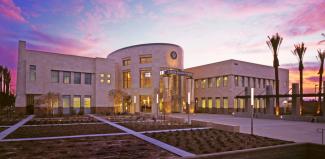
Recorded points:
(208,31)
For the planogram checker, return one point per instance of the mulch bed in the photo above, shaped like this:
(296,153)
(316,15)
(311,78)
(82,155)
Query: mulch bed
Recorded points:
(2,128)
(113,147)
(123,118)
(62,130)
(62,120)
(213,140)
(147,126)
(9,121)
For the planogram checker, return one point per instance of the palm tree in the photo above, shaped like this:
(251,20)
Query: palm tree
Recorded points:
(299,51)
(1,70)
(320,57)
(274,43)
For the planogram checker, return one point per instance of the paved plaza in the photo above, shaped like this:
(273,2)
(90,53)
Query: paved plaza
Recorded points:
(279,129)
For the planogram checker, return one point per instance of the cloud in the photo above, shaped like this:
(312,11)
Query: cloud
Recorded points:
(307,20)
(9,10)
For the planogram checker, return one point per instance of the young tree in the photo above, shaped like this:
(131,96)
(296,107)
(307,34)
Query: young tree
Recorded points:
(49,99)
(274,43)
(299,51)
(320,57)
(1,78)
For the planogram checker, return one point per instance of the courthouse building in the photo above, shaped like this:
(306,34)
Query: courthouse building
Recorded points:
(147,78)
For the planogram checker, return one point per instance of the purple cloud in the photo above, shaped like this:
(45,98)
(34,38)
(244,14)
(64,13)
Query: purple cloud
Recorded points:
(9,10)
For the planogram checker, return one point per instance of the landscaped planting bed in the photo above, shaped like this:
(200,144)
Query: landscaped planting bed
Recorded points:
(147,126)
(213,140)
(62,120)
(9,121)
(62,130)
(125,118)
(3,128)
(113,147)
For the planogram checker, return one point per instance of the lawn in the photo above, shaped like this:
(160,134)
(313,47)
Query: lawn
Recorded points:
(62,120)
(113,147)
(62,130)
(147,126)
(213,140)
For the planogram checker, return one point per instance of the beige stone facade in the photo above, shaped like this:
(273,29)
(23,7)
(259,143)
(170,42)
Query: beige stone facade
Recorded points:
(147,78)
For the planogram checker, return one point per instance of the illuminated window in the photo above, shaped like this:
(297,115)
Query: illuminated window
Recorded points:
(218,82)
(203,83)
(102,75)
(66,101)
(218,102)
(76,101)
(236,81)
(196,83)
(235,103)
(126,62)
(145,59)
(225,81)
(225,103)
(108,76)
(209,102)
(145,103)
(210,84)
(108,81)
(257,103)
(241,103)
(145,79)
(101,81)
(55,102)
(55,76)
(77,78)
(87,78)
(87,101)
(262,104)
(203,103)
(127,79)
(66,77)
(32,72)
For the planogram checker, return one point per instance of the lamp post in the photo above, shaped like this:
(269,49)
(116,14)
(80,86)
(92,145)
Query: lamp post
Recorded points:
(157,104)
(252,111)
(134,102)
(188,106)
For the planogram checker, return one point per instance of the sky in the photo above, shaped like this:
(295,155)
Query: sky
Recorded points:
(208,31)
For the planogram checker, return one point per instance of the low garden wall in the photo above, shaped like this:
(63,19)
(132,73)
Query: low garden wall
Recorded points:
(231,128)
(287,151)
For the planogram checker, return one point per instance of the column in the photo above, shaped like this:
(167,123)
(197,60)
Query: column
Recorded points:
(269,101)
(295,108)
(248,106)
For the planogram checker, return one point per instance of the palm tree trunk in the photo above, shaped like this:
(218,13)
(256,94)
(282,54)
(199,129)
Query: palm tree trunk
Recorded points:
(301,92)
(319,109)
(277,100)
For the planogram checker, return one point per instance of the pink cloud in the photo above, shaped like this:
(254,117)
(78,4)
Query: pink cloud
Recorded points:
(307,20)
(9,10)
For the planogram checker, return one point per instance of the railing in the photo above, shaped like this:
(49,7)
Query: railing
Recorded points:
(321,130)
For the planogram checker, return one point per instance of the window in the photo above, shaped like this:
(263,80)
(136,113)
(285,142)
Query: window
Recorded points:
(225,103)
(32,72)
(254,82)
(196,83)
(236,81)
(243,81)
(77,78)
(210,103)
(55,76)
(248,82)
(108,81)
(66,77)
(76,101)
(126,62)
(145,103)
(145,79)
(210,84)
(259,82)
(87,101)
(66,101)
(236,103)
(218,102)
(218,82)
(241,103)
(225,81)
(126,79)
(101,81)
(203,103)
(262,104)
(203,83)
(263,83)
(102,75)
(87,78)
(257,103)
(145,59)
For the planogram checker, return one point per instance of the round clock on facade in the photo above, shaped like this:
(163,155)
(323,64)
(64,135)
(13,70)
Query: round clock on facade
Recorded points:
(173,55)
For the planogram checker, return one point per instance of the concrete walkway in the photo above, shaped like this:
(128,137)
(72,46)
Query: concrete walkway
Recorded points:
(11,129)
(296,131)
(158,143)
(62,137)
